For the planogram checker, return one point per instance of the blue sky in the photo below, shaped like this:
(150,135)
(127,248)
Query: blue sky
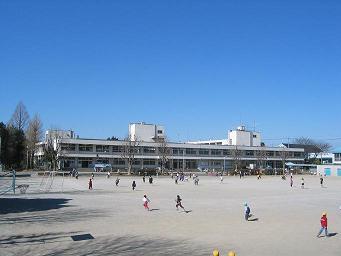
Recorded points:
(197,67)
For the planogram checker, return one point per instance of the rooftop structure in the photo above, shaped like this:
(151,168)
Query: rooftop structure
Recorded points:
(146,132)
(237,137)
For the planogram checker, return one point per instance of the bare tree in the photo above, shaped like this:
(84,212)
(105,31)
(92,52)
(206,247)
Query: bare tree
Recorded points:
(20,117)
(129,151)
(304,141)
(52,150)
(34,135)
(317,147)
(164,153)
(236,155)
(324,146)
(261,157)
(284,155)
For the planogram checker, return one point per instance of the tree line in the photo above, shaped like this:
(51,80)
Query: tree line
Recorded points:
(19,138)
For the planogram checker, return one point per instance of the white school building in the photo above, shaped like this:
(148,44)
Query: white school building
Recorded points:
(241,145)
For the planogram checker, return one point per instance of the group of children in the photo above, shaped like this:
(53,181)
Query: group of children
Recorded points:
(247,210)
(302,181)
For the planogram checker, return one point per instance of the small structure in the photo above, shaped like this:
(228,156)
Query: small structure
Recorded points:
(329,170)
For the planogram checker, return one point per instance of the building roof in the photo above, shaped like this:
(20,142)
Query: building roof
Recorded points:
(307,148)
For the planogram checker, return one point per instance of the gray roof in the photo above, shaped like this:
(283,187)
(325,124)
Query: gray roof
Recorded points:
(307,148)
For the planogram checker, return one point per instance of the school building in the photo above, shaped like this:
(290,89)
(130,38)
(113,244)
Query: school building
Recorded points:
(242,147)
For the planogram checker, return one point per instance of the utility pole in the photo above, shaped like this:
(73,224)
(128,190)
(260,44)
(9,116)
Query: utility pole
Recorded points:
(183,160)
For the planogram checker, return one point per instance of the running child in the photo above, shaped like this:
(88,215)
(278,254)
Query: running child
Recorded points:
(146,200)
(133,185)
(178,203)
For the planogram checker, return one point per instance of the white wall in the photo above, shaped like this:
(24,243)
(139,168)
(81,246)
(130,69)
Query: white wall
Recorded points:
(145,132)
(244,138)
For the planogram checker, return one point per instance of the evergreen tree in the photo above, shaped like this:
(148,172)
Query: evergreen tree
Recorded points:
(4,140)
(15,148)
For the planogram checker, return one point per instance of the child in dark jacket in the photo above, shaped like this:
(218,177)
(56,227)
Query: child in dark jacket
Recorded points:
(247,211)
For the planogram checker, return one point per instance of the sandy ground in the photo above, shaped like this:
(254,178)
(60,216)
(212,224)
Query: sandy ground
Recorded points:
(42,223)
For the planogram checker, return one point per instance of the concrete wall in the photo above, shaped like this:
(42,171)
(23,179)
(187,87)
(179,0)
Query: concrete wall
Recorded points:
(244,138)
(146,132)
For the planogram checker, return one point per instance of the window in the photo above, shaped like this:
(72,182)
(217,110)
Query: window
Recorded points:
(226,152)
(337,156)
(203,152)
(159,131)
(270,153)
(254,136)
(177,151)
(84,162)
(297,154)
(87,148)
(68,147)
(216,163)
(191,151)
(136,162)
(215,152)
(148,162)
(118,161)
(149,150)
(117,149)
(102,148)
(249,153)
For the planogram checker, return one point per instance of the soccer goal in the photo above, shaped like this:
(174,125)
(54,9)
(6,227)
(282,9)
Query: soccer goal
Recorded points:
(7,182)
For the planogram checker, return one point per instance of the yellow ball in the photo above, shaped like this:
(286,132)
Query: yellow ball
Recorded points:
(231,253)
(215,253)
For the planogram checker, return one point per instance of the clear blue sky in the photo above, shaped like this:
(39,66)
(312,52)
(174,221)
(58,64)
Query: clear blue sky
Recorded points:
(197,67)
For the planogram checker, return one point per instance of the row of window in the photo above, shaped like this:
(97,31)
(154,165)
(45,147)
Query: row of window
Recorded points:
(186,151)
(176,163)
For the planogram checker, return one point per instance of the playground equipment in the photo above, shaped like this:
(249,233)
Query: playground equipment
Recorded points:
(47,180)
(7,182)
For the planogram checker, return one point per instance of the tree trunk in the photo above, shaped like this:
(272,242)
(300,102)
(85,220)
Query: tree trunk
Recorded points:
(129,169)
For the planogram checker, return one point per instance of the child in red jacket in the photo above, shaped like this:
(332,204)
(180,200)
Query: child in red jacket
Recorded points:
(324,225)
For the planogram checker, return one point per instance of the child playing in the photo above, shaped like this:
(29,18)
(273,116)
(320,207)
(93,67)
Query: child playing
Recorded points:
(324,225)
(145,200)
(90,183)
(178,203)
(117,181)
(133,185)
(247,211)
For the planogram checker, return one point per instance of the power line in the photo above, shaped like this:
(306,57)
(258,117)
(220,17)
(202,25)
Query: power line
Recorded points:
(288,138)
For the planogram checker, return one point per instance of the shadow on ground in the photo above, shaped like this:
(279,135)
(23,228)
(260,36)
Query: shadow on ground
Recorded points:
(18,205)
(127,246)
(35,238)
